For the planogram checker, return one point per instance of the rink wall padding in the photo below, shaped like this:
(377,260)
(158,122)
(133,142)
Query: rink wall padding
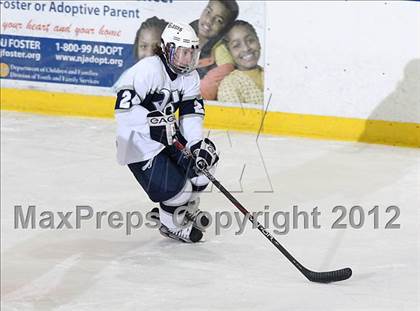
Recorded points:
(228,118)
(50,103)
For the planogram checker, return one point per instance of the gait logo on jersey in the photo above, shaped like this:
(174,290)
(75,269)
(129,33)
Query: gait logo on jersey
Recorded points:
(162,120)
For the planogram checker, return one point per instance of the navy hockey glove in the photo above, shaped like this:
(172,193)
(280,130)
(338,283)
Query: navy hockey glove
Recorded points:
(162,127)
(205,154)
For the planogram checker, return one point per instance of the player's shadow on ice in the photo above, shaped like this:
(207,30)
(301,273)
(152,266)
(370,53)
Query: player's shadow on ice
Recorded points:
(167,251)
(402,103)
(353,172)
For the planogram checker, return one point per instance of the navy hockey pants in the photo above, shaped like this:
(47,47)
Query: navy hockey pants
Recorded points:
(166,175)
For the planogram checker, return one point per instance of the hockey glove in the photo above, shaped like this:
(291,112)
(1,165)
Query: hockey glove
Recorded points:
(162,127)
(205,154)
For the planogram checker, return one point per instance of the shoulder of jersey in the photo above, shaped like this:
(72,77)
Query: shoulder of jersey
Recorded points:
(150,68)
(151,65)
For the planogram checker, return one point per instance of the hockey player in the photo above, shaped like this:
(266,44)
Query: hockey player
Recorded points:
(148,95)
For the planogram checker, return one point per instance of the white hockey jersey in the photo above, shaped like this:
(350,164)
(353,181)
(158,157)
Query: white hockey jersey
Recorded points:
(147,86)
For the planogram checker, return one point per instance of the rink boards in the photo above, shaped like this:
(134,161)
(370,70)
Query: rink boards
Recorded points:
(356,81)
(230,118)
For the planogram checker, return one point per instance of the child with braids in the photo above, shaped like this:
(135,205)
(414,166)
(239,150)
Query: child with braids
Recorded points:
(148,37)
(148,40)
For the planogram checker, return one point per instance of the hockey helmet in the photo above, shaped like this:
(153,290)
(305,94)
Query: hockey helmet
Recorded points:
(180,45)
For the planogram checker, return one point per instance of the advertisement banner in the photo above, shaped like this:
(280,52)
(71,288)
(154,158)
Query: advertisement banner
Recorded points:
(89,44)
(62,61)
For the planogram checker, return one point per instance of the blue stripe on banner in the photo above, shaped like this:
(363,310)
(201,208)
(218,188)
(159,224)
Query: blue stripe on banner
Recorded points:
(63,61)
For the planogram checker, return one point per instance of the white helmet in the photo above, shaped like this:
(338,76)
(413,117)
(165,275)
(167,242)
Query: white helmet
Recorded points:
(181,48)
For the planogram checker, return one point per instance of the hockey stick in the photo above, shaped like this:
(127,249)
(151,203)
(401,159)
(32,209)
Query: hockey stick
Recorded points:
(319,277)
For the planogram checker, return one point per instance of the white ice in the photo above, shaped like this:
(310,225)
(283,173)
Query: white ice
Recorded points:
(57,163)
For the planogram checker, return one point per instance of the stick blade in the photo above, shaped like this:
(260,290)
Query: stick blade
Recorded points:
(328,276)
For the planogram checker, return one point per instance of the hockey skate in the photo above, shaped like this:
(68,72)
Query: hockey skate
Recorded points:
(199,219)
(184,230)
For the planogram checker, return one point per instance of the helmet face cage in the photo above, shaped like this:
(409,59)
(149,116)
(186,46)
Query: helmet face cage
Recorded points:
(173,52)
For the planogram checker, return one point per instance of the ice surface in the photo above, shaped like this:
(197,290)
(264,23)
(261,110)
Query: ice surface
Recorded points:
(57,163)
